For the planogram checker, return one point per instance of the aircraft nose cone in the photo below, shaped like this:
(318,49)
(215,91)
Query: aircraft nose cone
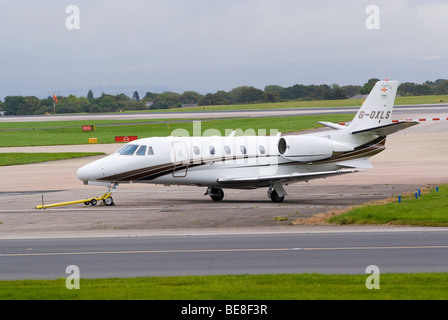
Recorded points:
(89,172)
(83,173)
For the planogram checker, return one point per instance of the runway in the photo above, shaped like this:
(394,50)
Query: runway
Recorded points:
(257,113)
(328,251)
(157,230)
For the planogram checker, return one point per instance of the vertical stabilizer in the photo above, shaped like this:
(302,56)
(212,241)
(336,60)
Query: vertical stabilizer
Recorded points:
(376,111)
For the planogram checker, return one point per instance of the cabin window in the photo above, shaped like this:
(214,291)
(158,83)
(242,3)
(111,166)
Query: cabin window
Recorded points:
(243,149)
(128,150)
(212,150)
(227,149)
(141,151)
(150,151)
(196,150)
(262,149)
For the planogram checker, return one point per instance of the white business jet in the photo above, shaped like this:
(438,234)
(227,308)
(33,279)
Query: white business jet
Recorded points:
(249,162)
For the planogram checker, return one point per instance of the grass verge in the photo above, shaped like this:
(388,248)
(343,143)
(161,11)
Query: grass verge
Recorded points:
(432,99)
(47,134)
(430,209)
(12,159)
(420,286)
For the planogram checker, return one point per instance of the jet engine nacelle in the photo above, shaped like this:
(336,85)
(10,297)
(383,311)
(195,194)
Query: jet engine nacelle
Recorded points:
(310,148)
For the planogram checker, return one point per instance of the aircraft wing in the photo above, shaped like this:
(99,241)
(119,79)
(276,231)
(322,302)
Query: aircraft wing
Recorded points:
(283,178)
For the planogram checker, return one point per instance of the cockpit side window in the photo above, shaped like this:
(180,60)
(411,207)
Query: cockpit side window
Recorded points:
(150,151)
(141,151)
(128,150)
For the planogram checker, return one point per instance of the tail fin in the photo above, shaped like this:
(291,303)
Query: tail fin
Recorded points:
(377,109)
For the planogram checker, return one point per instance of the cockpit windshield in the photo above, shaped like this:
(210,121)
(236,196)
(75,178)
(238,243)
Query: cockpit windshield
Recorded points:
(128,150)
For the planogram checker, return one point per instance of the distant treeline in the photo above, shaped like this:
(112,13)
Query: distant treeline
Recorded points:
(30,105)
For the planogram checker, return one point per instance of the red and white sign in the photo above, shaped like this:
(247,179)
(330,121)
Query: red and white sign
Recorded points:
(125,138)
(88,128)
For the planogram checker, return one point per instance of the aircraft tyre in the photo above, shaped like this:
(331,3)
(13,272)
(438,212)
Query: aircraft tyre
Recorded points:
(216,194)
(109,201)
(275,197)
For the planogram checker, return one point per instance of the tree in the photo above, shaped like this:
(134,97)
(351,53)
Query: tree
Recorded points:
(11,104)
(368,86)
(351,91)
(213,99)
(406,89)
(135,96)
(297,91)
(246,94)
(422,90)
(190,97)
(167,100)
(271,96)
(18,105)
(318,94)
(90,95)
(150,96)
(336,93)
(440,88)
(273,88)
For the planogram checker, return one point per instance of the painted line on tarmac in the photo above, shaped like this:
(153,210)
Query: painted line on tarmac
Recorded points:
(215,250)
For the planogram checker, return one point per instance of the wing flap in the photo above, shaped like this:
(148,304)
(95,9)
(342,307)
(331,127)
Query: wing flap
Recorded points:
(265,180)
(357,163)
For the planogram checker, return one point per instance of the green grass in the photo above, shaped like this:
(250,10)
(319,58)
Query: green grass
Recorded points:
(12,159)
(421,286)
(49,133)
(428,210)
(308,104)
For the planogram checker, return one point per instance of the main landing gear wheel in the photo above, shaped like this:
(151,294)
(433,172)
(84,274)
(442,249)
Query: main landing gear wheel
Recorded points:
(275,197)
(215,193)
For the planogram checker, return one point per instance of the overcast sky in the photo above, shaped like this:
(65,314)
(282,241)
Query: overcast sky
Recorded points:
(211,45)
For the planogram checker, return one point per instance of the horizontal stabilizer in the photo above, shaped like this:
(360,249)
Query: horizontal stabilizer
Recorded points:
(388,128)
(266,180)
(332,125)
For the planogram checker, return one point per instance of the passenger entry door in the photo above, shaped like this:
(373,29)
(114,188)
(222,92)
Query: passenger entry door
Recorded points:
(181,159)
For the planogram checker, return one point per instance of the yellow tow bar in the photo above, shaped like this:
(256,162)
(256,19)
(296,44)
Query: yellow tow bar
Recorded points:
(93,201)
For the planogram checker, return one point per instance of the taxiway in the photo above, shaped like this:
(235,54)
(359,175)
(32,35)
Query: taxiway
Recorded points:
(147,218)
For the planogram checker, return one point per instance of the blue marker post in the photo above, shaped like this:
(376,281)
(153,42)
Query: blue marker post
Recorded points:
(399,199)
(419,193)
(437,189)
